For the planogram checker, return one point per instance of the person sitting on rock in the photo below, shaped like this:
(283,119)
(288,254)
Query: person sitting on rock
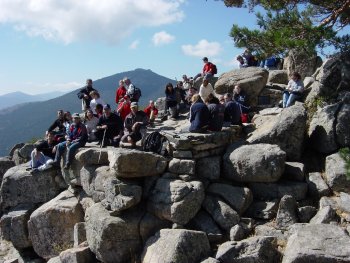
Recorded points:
(67,120)
(134,125)
(293,91)
(43,153)
(151,111)
(217,113)
(109,129)
(123,108)
(76,138)
(205,89)
(90,122)
(186,82)
(190,94)
(96,99)
(170,101)
(84,95)
(58,127)
(199,115)
(232,111)
(240,97)
(208,71)
(242,63)
(120,92)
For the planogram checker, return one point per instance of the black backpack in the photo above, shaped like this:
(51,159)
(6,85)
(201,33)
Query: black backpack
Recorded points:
(156,143)
(215,69)
(135,94)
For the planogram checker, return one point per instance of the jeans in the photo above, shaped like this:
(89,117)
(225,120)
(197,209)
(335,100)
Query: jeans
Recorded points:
(71,150)
(289,99)
(39,160)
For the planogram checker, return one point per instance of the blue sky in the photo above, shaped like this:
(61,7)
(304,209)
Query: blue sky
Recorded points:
(49,45)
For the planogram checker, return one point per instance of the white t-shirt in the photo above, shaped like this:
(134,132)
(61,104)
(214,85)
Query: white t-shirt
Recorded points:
(205,91)
(94,102)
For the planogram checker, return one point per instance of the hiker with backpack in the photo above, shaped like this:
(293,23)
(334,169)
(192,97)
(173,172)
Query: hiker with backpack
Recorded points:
(133,92)
(209,70)
(84,95)
(109,129)
(135,125)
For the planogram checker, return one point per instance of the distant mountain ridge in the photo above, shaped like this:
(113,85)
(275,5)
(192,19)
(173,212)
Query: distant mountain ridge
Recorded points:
(18,97)
(31,120)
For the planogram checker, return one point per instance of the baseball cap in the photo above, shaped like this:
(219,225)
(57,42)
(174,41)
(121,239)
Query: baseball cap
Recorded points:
(76,115)
(106,107)
(133,104)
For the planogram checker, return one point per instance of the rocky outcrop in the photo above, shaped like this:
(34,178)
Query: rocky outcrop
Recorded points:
(47,232)
(286,129)
(278,76)
(265,164)
(252,80)
(176,245)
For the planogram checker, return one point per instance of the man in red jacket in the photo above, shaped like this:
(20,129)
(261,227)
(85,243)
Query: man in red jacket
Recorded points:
(121,91)
(209,70)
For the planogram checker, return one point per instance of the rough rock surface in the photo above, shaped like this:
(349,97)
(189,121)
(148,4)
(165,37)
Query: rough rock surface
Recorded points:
(251,79)
(176,245)
(320,243)
(278,76)
(286,129)
(46,231)
(265,163)
(336,174)
(176,200)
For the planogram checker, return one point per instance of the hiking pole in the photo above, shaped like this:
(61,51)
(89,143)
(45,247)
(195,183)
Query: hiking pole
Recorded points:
(103,140)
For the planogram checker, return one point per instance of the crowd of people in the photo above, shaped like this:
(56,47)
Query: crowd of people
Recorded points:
(208,111)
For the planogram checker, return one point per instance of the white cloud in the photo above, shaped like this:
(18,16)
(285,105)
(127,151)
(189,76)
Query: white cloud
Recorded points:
(162,38)
(134,44)
(203,48)
(69,21)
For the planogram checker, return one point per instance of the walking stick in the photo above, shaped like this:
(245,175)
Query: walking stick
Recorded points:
(103,140)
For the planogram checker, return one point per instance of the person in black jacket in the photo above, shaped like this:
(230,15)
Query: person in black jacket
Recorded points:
(84,95)
(232,110)
(199,115)
(109,128)
(217,113)
(43,152)
(57,127)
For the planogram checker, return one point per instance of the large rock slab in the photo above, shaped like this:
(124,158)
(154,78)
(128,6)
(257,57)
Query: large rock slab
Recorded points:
(239,198)
(176,200)
(254,249)
(278,76)
(48,233)
(252,80)
(21,187)
(176,245)
(265,163)
(286,129)
(113,239)
(322,243)
(336,174)
(93,156)
(132,163)
(287,212)
(329,128)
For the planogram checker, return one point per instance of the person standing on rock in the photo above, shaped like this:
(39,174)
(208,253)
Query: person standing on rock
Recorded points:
(84,95)
(293,91)
(76,138)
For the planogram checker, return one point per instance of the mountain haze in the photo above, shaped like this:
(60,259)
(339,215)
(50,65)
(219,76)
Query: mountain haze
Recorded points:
(31,120)
(14,98)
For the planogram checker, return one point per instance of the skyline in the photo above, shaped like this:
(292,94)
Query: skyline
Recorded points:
(56,45)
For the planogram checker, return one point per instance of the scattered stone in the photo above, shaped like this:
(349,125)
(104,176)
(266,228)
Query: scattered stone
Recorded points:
(278,76)
(179,166)
(263,209)
(237,233)
(336,174)
(222,213)
(317,187)
(176,245)
(205,223)
(77,255)
(287,212)
(176,200)
(151,224)
(254,249)
(265,163)
(239,198)
(324,216)
(318,243)
(294,171)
